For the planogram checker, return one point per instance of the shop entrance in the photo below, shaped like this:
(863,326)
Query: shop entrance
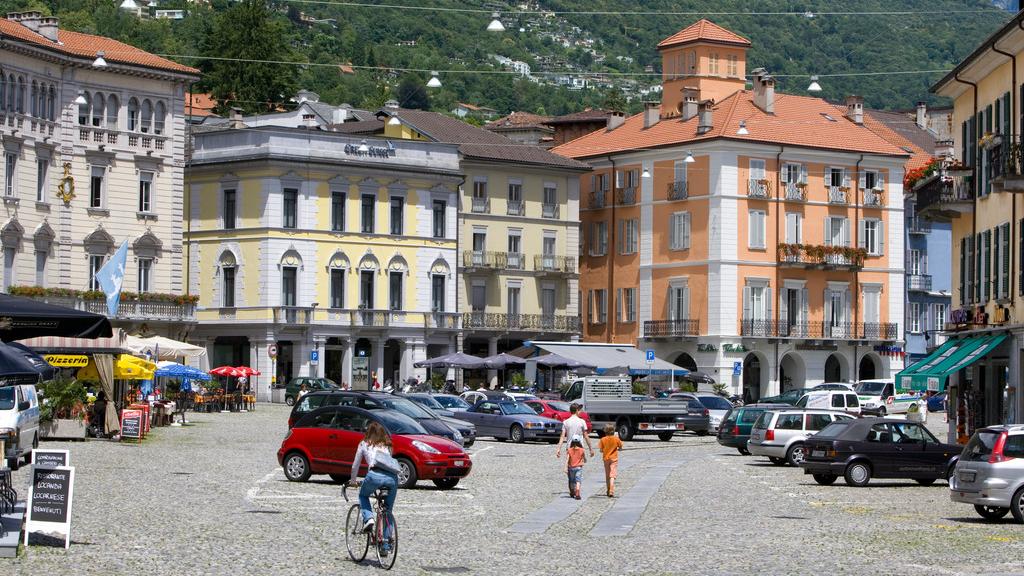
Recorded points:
(751,379)
(684,360)
(834,369)
(867,369)
(361,365)
(285,355)
(334,359)
(791,373)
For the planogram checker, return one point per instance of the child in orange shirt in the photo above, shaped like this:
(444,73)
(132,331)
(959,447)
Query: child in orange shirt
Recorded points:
(575,458)
(610,445)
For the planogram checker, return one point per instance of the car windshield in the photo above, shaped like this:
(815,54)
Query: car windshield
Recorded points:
(833,430)
(715,402)
(427,401)
(398,423)
(6,398)
(516,408)
(559,406)
(870,388)
(452,402)
(324,383)
(981,445)
(407,407)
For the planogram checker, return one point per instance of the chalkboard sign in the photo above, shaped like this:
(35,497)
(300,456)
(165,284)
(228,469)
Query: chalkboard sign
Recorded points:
(50,458)
(49,497)
(131,424)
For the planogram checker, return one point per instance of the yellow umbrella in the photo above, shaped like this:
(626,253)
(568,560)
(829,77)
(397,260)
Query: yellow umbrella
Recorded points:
(126,367)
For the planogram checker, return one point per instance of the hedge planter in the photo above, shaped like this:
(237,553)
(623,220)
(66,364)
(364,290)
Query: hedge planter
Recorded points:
(61,429)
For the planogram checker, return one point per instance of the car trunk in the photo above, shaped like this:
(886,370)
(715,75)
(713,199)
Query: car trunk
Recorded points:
(974,464)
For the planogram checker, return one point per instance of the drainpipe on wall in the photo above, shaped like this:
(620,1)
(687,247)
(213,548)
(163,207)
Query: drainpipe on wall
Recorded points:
(1013,101)
(609,303)
(778,281)
(856,271)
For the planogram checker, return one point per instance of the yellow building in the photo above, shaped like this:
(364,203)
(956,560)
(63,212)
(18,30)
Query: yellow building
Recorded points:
(978,192)
(338,251)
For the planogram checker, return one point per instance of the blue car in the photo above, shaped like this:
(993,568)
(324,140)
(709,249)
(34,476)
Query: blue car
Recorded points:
(937,403)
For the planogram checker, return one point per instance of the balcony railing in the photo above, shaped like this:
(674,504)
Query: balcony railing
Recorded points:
(515,261)
(597,198)
(292,315)
(134,309)
(838,195)
(919,282)
(818,330)
(441,320)
(678,190)
(549,210)
(369,318)
(943,198)
(481,205)
(484,259)
(524,322)
(759,188)
(919,226)
(515,208)
(873,198)
(796,191)
(803,255)
(669,328)
(627,196)
(553,263)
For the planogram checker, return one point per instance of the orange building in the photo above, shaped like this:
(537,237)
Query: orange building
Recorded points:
(753,235)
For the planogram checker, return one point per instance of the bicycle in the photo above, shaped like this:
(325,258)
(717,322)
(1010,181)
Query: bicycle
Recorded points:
(384,536)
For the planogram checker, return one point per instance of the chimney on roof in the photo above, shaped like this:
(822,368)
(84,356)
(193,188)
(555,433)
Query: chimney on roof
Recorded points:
(704,123)
(306,96)
(922,115)
(30,20)
(652,113)
(764,91)
(691,95)
(48,28)
(944,149)
(394,104)
(615,119)
(235,118)
(855,109)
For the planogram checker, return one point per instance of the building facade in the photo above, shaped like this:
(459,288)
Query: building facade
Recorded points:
(338,251)
(929,282)
(93,139)
(757,236)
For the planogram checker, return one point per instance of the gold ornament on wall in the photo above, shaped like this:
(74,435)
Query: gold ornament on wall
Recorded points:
(66,188)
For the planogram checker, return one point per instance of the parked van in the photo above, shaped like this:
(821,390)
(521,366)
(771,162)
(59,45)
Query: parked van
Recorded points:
(840,400)
(879,397)
(19,422)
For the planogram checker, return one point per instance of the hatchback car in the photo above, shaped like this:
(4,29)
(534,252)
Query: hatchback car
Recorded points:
(781,435)
(291,391)
(557,410)
(735,429)
(325,440)
(717,406)
(861,449)
(990,473)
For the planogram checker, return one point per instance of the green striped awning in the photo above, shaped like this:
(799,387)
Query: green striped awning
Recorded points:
(932,372)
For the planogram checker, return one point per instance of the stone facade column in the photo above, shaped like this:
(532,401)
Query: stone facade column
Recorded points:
(418,353)
(378,361)
(405,365)
(318,369)
(492,375)
(346,362)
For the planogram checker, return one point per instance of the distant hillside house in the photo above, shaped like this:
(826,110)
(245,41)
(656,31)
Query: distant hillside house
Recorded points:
(524,128)
(463,110)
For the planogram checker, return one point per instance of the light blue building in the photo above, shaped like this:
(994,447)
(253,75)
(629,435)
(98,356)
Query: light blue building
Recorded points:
(929,282)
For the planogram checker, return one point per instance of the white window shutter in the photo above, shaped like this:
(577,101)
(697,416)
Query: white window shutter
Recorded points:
(673,231)
(803,173)
(861,180)
(783,304)
(846,231)
(880,181)
(804,305)
(746,303)
(619,236)
(767,303)
(686,230)
(880,234)
(862,236)
(828,306)
(618,179)
(828,231)
(784,174)
(685,312)
(846,177)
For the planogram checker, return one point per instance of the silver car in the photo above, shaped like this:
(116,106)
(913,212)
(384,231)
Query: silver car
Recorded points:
(990,473)
(717,406)
(780,434)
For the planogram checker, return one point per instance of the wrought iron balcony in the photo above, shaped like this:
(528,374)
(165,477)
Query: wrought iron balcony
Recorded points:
(919,226)
(549,210)
(626,196)
(678,190)
(796,191)
(671,328)
(838,195)
(554,263)
(481,205)
(484,260)
(809,256)
(818,330)
(597,198)
(515,208)
(873,198)
(919,282)
(759,188)
(943,198)
(515,261)
(503,322)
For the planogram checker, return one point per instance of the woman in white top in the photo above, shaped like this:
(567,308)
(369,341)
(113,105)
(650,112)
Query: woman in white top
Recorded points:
(375,442)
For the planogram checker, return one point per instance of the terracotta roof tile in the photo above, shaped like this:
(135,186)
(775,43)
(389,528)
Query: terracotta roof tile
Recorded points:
(703,30)
(902,131)
(588,115)
(199,104)
(519,120)
(797,121)
(81,45)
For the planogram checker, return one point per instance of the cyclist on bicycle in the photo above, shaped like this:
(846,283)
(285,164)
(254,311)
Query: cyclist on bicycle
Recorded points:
(381,471)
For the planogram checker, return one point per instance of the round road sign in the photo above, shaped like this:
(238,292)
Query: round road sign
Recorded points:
(272,350)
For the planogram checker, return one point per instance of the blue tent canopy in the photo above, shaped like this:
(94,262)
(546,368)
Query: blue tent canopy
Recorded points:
(175,370)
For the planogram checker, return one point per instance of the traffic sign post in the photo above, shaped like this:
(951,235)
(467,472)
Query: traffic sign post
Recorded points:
(272,351)
(737,368)
(650,356)
(314,357)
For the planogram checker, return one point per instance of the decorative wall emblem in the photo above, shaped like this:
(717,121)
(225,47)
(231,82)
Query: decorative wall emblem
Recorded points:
(66,188)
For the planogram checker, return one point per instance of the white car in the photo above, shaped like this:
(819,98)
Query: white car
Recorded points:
(879,397)
(19,422)
(838,400)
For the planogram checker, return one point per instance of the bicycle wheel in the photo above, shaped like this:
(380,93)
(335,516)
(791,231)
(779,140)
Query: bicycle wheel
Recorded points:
(356,540)
(386,540)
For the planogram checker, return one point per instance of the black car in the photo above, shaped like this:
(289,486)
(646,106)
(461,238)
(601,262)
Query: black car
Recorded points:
(697,418)
(735,428)
(864,448)
(460,432)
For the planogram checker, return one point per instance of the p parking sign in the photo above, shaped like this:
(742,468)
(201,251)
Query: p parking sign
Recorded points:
(650,356)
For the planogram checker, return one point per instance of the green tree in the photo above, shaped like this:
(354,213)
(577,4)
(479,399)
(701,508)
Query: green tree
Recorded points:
(412,94)
(614,100)
(248,31)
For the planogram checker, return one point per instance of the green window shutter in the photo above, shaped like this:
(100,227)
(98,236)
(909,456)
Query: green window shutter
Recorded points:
(1007,111)
(963,269)
(1004,291)
(988,119)
(977,268)
(987,278)
(998,113)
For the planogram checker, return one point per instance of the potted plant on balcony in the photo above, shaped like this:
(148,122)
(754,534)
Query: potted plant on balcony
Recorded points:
(990,140)
(957,169)
(62,411)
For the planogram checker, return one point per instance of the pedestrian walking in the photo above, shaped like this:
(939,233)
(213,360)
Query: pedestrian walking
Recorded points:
(610,445)
(303,390)
(575,458)
(573,427)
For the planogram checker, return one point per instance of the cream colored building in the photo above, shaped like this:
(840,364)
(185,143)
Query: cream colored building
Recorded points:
(92,135)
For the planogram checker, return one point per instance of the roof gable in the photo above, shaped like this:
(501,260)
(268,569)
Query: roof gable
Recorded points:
(703,30)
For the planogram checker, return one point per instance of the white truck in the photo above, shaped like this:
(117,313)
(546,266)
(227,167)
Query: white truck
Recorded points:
(611,400)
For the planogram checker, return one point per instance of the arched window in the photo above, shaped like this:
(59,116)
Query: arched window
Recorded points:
(3,91)
(83,109)
(12,91)
(159,112)
(21,95)
(34,103)
(147,116)
(51,104)
(42,102)
(113,108)
(99,104)
(133,115)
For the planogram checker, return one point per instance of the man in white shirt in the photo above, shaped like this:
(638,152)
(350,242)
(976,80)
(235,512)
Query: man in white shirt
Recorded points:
(572,426)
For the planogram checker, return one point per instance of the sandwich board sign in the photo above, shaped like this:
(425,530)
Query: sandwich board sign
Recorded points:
(50,458)
(49,503)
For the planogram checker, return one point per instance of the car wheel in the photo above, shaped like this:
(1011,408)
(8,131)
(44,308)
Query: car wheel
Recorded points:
(406,473)
(468,444)
(624,429)
(824,479)
(1017,505)
(991,512)
(858,474)
(743,451)
(702,432)
(516,434)
(665,436)
(339,478)
(881,412)
(925,481)
(446,483)
(795,455)
(289,401)
(777,461)
(296,467)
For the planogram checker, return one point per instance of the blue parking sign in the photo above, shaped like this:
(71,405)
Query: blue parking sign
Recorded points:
(314,356)
(650,356)
(737,368)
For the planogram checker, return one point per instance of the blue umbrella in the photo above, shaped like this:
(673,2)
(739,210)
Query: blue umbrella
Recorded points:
(44,368)
(15,368)
(175,370)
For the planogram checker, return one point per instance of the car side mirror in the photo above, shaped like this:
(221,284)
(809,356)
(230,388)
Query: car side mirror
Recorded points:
(23,406)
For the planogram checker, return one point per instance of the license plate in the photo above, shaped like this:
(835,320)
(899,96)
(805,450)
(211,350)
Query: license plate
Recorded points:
(459,463)
(967,475)
(817,453)
(662,426)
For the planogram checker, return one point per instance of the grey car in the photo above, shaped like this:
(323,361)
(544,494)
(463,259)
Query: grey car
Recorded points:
(505,420)
(990,473)
(429,401)
(451,402)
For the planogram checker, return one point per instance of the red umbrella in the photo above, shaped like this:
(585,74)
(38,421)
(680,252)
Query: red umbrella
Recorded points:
(246,371)
(226,371)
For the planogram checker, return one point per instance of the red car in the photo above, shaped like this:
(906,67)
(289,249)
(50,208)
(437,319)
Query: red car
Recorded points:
(325,440)
(556,409)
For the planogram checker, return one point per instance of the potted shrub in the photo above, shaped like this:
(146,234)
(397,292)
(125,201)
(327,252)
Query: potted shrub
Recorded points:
(62,411)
